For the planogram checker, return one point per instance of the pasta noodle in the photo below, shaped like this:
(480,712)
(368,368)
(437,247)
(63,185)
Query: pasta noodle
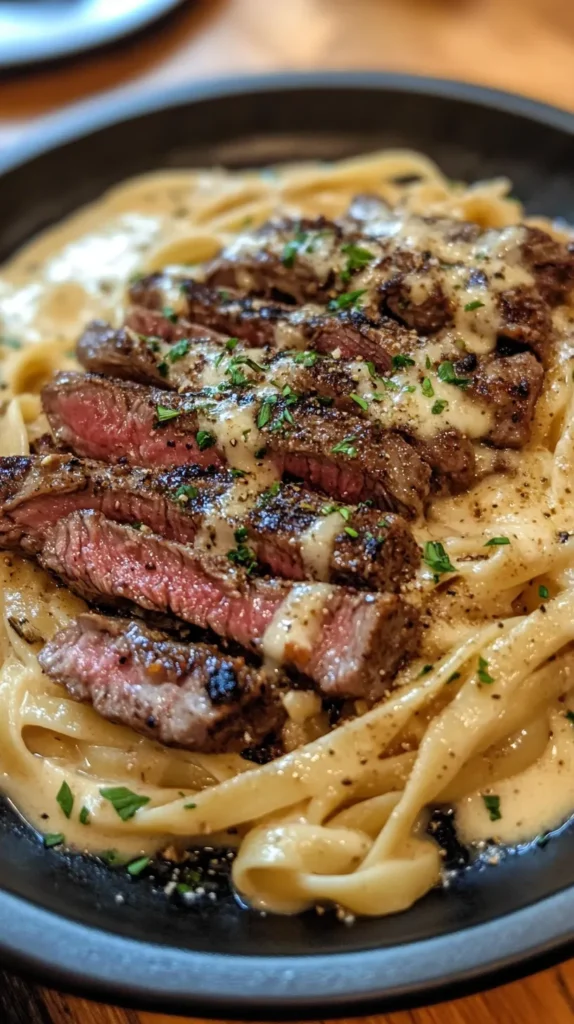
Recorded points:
(342,816)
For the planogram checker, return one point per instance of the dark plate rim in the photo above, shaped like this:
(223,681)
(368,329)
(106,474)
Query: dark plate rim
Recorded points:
(129,972)
(86,36)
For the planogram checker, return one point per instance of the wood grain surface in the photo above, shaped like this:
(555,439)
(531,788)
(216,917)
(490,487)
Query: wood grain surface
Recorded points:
(523,45)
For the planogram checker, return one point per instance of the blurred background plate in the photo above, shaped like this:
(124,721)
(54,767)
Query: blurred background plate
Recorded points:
(40,30)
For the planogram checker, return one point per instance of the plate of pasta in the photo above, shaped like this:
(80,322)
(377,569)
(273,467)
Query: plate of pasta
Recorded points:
(287,544)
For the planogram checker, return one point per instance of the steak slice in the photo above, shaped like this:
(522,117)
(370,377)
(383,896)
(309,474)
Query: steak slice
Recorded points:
(299,535)
(261,323)
(428,273)
(115,420)
(511,385)
(350,644)
(180,694)
(286,527)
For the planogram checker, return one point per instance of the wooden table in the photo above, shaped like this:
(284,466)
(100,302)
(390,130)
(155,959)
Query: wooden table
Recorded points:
(522,45)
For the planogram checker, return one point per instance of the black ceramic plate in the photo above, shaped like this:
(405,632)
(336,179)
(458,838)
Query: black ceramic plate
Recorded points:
(59,917)
(39,30)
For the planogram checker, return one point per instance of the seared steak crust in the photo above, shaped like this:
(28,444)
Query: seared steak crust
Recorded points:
(182,695)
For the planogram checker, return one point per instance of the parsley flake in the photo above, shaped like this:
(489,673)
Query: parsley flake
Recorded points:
(492,804)
(53,839)
(179,350)
(186,492)
(345,447)
(439,406)
(204,440)
(427,388)
(497,542)
(470,306)
(84,816)
(446,373)
(124,801)
(400,361)
(482,671)
(543,592)
(137,866)
(164,414)
(351,532)
(453,677)
(65,798)
(361,402)
(437,559)
(266,411)
(308,358)
(357,258)
(348,300)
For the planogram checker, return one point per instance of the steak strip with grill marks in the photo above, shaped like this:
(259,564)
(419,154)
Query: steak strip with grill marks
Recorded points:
(350,644)
(348,458)
(179,694)
(320,261)
(364,550)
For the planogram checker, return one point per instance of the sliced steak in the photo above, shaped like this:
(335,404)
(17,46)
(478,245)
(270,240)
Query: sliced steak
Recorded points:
(114,420)
(260,323)
(512,387)
(300,535)
(348,643)
(190,506)
(348,458)
(182,695)
(428,273)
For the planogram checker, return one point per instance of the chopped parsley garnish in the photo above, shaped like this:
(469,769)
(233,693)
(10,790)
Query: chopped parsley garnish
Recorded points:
(164,414)
(425,670)
(307,358)
(371,368)
(453,677)
(439,406)
(137,866)
(169,313)
(223,295)
(266,411)
(65,798)
(204,440)
(327,510)
(294,247)
(187,491)
(427,388)
(446,373)
(189,807)
(179,350)
(543,592)
(470,306)
(428,363)
(238,472)
(260,453)
(230,345)
(482,672)
(345,447)
(163,368)
(492,804)
(53,839)
(271,492)
(497,542)
(242,555)
(351,532)
(400,361)
(348,300)
(84,816)
(570,716)
(362,402)
(124,801)
(112,858)
(437,559)
(357,258)
(345,513)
